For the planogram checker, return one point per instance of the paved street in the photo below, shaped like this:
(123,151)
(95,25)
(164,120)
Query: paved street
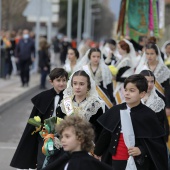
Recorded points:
(12,124)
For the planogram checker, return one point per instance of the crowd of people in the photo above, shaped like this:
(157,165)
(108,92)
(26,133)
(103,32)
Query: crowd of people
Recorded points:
(111,102)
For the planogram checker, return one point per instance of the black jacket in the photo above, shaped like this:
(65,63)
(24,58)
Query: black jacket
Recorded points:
(77,161)
(26,153)
(148,134)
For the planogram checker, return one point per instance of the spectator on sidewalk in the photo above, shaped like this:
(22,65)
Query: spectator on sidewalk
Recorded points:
(44,61)
(25,52)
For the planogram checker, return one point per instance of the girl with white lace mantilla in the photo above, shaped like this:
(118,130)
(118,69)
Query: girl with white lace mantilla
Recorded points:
(94,65)
(125,67)
(153,101)
(71,61)
(152,60)
(166,51)
(81,98)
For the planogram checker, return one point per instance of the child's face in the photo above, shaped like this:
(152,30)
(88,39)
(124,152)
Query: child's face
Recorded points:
(151,55)
(69,140)
(132,95)
(168,49)
(95,58)
(59,84)
(71,55)
(151,84)
(80,86)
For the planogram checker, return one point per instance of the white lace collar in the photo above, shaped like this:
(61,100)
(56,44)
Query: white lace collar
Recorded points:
(154,102)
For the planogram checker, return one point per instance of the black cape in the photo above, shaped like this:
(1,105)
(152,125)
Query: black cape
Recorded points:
(146,128)
(77,161)
(25,156)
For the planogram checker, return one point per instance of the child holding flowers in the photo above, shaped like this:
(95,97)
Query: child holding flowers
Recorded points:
(46,104)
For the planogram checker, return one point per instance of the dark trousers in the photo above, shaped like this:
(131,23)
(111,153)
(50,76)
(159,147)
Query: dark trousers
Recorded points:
(24,71)
(44,74)
(119,164)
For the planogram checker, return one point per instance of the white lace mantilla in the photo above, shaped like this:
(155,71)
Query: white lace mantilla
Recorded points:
(124,62)
(86,108)
(155,102)
(162,73)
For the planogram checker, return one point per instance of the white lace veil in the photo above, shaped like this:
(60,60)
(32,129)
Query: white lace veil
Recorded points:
(155,102)
(131,54)
(69,90)
(106,74)
(163,49)
(143,62)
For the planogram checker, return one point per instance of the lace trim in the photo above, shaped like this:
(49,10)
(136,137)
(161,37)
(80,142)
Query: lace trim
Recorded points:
(155,102)
(86,109)
(123,63)
(162,73)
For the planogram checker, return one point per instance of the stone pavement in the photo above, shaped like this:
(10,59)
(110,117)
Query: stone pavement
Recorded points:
(11,90)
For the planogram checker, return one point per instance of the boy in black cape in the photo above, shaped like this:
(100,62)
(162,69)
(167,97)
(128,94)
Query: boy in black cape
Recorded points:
(76,136)
(46,104)
(149,151)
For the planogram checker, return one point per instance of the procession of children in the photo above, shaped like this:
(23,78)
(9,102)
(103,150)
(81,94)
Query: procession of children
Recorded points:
(106,110)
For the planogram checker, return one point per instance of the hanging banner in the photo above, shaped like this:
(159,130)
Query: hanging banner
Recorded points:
(138,18)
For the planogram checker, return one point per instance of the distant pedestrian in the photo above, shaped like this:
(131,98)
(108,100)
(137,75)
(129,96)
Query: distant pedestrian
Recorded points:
(44,61)
(25,52)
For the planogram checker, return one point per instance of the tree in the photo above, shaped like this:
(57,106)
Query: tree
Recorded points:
(12,14)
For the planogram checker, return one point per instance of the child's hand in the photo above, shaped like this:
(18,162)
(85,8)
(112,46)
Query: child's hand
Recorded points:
(97,157)
(134,151)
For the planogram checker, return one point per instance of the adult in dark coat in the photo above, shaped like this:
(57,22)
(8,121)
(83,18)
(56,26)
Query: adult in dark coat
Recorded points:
(149,136)
(29,151)
(25,52)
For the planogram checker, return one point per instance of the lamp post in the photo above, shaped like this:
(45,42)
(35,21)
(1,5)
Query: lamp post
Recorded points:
(79,23)
(69,18)
(0,30)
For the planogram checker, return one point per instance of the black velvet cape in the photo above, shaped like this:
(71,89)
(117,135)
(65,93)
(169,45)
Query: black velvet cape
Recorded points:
(147,128)
(25,156)
(77,161)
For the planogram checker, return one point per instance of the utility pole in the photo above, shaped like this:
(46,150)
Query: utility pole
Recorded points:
(79,23)
(37,35)
(69,18)
(0,29)
(87,19)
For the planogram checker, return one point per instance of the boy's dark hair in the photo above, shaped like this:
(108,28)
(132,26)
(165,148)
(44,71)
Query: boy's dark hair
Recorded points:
(83,130)
(148,73)
(93,50)
(110,41)
(58,72)
(141,38)
(139,80)
(82,73)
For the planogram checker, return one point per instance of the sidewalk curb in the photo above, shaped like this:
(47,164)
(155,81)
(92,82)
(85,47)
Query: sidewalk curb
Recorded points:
(17,98)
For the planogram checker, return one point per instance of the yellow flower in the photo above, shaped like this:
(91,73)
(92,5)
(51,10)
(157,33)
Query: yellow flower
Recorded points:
(59,120)
(37,118)
(113,70)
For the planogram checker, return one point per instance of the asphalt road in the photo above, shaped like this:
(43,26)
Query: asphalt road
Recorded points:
(12,125)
